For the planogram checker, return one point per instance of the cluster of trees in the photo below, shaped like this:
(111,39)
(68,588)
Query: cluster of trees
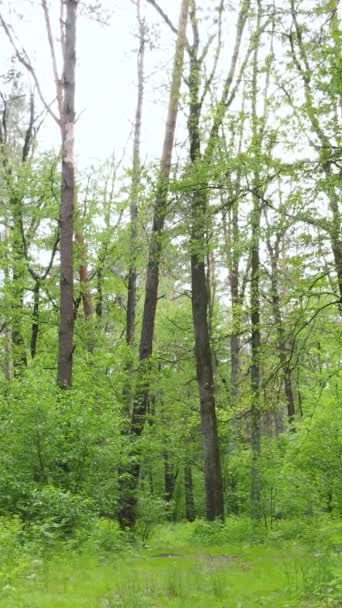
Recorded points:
(190,311)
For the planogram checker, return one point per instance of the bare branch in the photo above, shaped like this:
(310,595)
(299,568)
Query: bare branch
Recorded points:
(25,61)
(163,15)
(59,89)
(227,96)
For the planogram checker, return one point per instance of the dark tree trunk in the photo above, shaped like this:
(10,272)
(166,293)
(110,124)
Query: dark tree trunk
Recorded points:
(190,510)
(66,323)
(236,312)
(35,318)
(255,365)
(335,233)
(17,290)
(87,300)
(200,309)
(99,292)
(255,370)
(170,477)
(205,379)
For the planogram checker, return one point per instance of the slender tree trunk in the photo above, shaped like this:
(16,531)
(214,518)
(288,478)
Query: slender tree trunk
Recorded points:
(211,282)
(17,289)
(133,245)
(87,301)
(255,365)
(132,270)
(66,323)
(35,318)
(170,477)
(255,293)
(231,235)
(127,505)
(282,350)
(190,509)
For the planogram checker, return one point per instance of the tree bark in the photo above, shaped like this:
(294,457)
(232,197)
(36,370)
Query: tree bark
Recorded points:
(190,509)
(255,371)
(136,171)
(87,300)
(200,308)
(17,288)
(35,318)
(67,122)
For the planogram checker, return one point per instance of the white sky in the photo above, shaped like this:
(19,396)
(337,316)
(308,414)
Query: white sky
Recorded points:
(106,75)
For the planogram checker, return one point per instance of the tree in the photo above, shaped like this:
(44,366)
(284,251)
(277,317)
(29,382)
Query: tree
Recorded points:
(65,90)
(127,511)
(200,163)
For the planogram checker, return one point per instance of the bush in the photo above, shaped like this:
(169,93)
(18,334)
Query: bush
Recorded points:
(53,515)
(234,530)
(106,537)
(151,512)
(14,556)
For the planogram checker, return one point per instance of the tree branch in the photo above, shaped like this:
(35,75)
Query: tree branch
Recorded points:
(25,61)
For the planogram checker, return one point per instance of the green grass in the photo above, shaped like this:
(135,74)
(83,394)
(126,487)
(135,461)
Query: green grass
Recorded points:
(177,572)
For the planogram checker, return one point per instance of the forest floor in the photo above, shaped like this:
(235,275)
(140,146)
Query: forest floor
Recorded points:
(166,575)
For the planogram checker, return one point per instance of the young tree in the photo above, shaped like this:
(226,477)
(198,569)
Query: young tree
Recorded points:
(65,91)
(127,509)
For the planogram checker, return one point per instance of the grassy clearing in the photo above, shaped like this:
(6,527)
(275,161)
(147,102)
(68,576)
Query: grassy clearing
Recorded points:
(176,573)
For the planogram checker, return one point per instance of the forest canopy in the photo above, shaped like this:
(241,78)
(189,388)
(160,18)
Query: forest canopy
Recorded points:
(170,322)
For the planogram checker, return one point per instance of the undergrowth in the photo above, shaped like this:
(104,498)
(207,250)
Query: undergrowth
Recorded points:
(231,565)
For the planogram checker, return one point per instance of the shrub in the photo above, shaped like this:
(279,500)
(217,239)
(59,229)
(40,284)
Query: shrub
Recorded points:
(14,555)
(53,514)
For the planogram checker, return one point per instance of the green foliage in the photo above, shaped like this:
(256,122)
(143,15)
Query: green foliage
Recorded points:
(106,539)
(152,511)
(173,571)
(14,556)
(56,515)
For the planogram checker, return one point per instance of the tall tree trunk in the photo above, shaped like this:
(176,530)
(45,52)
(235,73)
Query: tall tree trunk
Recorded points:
(255,365)
(127,506)
(255,370)
(67,121)
(199,226)
(132,270)
(134,198)
(200,307)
